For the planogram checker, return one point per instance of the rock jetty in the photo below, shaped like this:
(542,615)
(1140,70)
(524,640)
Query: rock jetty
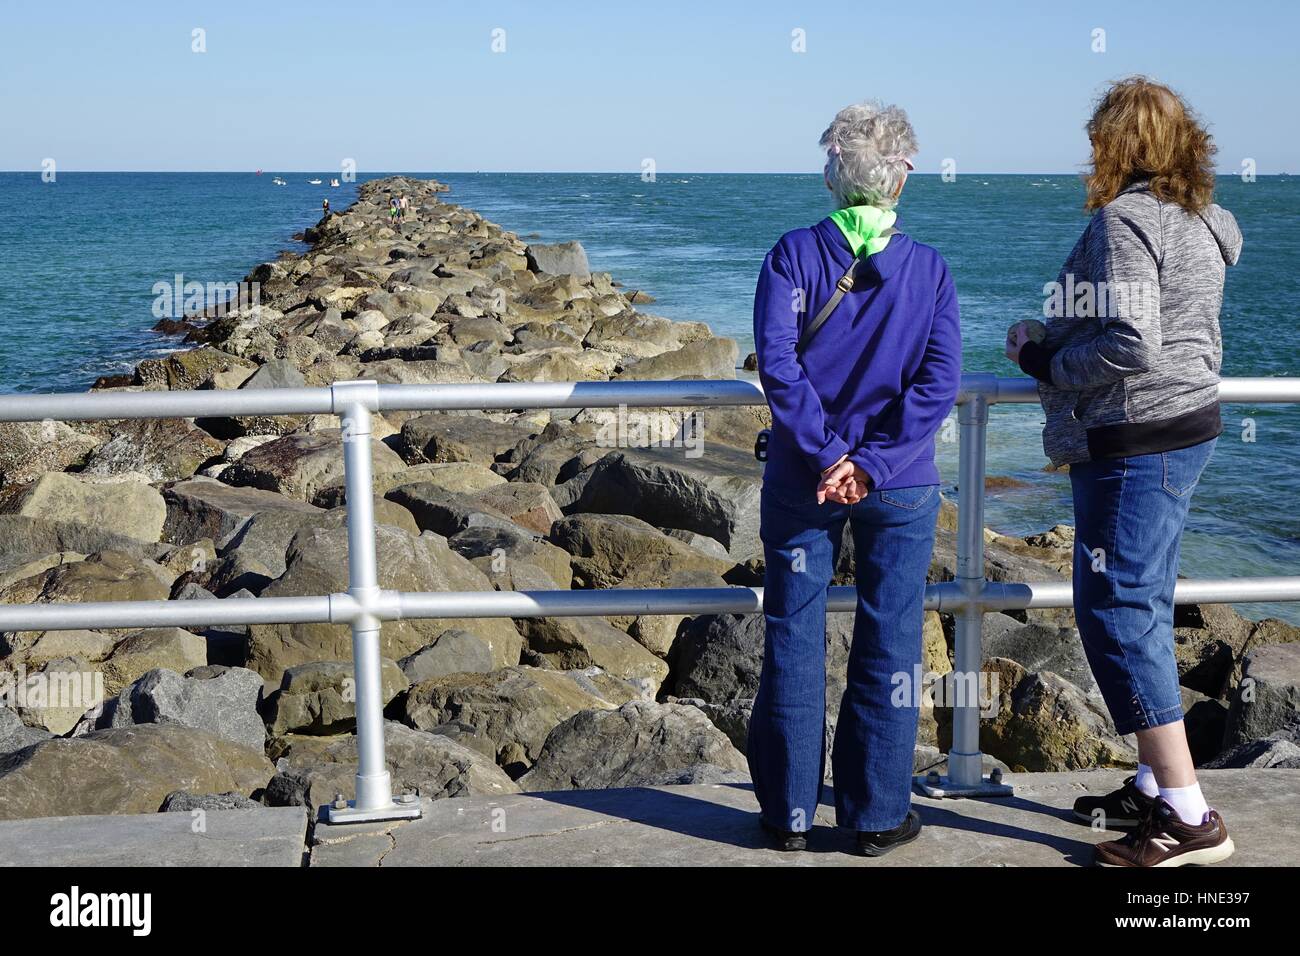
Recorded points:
(227,508)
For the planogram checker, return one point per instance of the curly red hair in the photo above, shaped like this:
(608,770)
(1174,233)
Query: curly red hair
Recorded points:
(1144,130)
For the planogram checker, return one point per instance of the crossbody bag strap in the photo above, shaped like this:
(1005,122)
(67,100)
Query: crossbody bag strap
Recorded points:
(842,287)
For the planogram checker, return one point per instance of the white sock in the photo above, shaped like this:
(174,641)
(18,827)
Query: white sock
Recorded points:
(1146,781)
(1187,803)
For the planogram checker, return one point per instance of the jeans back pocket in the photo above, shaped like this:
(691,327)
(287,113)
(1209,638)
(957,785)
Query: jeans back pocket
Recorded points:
(1183,468)
(908,498)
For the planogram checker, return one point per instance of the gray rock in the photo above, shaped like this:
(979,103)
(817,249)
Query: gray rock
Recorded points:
(125,770)
(442,437)
(319,698)
(1268,698)
(162,449)
(24,539)
(447,513)
(454,652)
(561,258)
(513,707)
(15,735)
(203,508)
(182,801)
(223,702)
(494,550)
(278,373)
(313,770)
(1039,647)
(716,496)
(1278,750)
(641,744)
(612,550)
(132,509)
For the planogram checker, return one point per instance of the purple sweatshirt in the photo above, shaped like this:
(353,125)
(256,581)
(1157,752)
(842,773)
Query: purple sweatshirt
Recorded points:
(880,376)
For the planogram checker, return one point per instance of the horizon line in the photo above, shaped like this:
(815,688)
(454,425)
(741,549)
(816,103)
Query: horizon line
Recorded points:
(563,172)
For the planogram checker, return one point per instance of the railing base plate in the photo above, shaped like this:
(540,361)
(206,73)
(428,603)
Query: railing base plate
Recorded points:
(396,811)
(944,787)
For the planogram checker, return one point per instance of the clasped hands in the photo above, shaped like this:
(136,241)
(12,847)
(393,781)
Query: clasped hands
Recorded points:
(844,483)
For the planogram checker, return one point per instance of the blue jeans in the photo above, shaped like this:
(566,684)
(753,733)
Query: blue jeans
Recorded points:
(875,736)
(1129,515)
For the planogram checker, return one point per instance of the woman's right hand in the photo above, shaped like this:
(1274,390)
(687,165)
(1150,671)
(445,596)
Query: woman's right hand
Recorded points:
(832,478)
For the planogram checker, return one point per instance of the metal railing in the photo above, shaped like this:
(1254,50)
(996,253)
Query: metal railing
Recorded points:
(365,606)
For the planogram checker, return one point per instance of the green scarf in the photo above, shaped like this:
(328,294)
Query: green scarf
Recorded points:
(862,226)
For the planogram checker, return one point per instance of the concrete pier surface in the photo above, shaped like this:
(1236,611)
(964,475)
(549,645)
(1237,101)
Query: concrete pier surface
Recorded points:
(717,825)
(267,836)
(673,826)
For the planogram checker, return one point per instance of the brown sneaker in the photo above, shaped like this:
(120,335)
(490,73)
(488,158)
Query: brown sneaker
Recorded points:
(1162,839)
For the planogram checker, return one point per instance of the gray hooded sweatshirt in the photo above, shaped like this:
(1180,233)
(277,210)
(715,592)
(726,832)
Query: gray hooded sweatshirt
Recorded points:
(1131,361)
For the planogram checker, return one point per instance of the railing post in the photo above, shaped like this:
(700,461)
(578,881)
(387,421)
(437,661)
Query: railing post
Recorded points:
(965,776)
(353,403)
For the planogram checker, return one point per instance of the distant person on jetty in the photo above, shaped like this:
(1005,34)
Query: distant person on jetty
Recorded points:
(324,208)
(393,210)
(855,409)
(1129,382)
(405,205)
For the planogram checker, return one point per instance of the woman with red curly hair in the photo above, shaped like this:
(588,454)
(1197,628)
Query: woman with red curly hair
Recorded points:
(1128,375)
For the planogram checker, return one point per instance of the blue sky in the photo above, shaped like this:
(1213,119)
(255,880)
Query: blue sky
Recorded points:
(700,87)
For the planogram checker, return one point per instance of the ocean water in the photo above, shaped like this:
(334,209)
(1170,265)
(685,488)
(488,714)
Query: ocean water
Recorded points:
(83,254)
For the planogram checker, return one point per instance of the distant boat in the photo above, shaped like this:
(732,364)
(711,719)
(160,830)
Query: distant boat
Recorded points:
(277,181)
(334,182)
(313,182)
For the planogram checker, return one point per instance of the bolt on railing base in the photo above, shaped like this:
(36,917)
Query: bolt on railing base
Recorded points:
(934,784)
(402,808)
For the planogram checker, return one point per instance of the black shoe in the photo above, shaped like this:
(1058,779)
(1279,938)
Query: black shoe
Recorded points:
(881,842)
(787,841)
(1120,809)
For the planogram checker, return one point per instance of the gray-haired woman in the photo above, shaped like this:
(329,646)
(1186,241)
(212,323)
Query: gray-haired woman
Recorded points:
(854,413)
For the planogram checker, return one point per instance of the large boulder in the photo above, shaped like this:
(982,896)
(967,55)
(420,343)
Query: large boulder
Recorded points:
(161,449)
(106,576)
(29,449)
(560,258)
(572,643)
(496,550)
(315,565)
(455,651)
(641,744)
(447,513)
(125,770)
(527,503)
(312,770)
(512,709)
(23,540)
(711,358)
(205,508)
(717,497)
(221,700)
(612,550)
(56,695)
(1039,647)
(1038,722)
(459,477)
(443,437)
(138,653)
(15,735)
(1268,698)
(129,508)
(301,464)
(1277,750)
(320,697)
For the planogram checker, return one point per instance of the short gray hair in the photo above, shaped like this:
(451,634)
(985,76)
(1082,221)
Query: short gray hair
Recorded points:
(867,148)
